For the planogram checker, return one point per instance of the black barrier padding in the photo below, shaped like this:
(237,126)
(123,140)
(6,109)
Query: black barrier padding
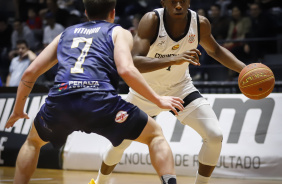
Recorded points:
(11,142)
(48,158)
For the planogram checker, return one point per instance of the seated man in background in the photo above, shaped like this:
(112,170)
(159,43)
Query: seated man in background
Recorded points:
(19,63)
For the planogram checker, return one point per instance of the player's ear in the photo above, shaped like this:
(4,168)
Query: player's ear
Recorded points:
(162,3)
(86,14)
(112,15)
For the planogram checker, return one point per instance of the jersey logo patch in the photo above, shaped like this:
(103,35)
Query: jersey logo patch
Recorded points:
(121,116)
(63,86)
(175,47)
(191,38)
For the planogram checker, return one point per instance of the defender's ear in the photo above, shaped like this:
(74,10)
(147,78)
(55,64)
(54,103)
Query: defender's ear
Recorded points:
(112,15)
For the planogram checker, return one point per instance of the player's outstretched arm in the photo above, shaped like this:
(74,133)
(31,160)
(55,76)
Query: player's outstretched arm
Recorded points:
(147,33)
(46,60)
(219,53)
(126,69)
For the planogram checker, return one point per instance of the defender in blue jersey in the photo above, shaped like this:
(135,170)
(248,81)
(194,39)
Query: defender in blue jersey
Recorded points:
(91,57)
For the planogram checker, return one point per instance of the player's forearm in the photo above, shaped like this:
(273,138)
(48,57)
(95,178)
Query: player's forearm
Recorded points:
(136,81)
(146,64)
(25,86)
(226,58)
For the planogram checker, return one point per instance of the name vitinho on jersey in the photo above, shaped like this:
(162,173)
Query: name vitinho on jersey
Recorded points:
(86,31)
(157,55)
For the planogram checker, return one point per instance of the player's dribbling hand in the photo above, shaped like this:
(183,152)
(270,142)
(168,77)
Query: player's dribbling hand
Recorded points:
(190,56)
(171,103)
(15,117)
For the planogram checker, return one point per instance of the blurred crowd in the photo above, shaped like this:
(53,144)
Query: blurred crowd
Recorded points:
(247,28)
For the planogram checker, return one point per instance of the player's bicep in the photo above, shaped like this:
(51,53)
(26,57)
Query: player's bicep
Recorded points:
(122,47)
(207,40)
(141,46)
(147,32)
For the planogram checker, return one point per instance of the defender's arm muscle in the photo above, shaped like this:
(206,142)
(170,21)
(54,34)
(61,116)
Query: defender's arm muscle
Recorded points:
(147,31)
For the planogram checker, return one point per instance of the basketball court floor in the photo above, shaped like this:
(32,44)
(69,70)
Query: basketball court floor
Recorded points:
(51,176)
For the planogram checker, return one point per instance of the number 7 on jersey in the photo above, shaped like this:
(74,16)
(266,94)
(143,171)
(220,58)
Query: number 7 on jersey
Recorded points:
(80,60)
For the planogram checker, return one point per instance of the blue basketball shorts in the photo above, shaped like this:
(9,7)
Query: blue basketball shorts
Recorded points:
(103,113)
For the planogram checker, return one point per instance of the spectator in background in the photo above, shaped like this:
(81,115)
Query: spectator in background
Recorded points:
(223,4)
(5,46)
(33,21)
(66,4)
(239,26)
(19,63)
(21,31)
(219,24)
(52,29)
(21,7)
(5,33)
(135,22)
(261,27)
(61,15)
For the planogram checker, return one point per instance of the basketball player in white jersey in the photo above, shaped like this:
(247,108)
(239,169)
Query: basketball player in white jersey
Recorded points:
(164,47)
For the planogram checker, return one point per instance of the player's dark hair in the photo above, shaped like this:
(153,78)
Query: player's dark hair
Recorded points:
(99,9)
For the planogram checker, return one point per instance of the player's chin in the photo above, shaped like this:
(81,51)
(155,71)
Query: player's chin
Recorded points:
(179,15)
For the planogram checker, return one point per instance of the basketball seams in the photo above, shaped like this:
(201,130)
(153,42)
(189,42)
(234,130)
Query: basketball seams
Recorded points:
(242,78)
(258,82)
(260,93)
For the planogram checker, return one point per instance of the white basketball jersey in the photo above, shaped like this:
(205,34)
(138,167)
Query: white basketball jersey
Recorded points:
(175,76)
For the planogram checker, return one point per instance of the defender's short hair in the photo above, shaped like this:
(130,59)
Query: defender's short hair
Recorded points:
(99,9)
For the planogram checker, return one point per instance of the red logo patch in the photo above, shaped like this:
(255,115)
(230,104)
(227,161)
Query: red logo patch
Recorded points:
(121,116)
(191,38)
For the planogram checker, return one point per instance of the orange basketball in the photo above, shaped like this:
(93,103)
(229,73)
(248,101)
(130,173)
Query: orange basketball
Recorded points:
(256,81)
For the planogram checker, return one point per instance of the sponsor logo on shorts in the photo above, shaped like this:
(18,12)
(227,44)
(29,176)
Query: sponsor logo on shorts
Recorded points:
(121,116)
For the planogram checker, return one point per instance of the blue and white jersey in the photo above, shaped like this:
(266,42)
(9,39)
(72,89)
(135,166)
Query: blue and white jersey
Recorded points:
(85,59)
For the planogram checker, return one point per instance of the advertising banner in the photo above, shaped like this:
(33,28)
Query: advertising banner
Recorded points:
(251,148)
(12,139)
(252,141)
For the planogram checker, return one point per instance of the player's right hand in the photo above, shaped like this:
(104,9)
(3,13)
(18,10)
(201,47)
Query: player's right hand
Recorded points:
(15,117)
(190,56)
(171,103)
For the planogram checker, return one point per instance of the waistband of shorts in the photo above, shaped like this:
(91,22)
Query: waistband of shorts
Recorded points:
(189,98)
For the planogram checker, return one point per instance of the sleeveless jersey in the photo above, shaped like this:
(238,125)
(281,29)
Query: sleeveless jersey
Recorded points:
(85,59)
(164,46)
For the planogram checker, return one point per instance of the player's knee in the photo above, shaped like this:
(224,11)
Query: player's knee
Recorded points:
(155,139)
(215,137)
(120,148)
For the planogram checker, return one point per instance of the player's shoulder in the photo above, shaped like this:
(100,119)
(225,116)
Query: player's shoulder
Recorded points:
(149,25)
(120,31)
(203,20)
(204,23)
(151,17)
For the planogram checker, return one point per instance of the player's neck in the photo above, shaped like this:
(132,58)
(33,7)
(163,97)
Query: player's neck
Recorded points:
(175,27)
